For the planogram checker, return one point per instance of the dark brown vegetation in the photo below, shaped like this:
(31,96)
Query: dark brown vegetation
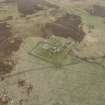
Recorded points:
(66,26)
(21,83)
(97,10)
(8,44)
(27,7)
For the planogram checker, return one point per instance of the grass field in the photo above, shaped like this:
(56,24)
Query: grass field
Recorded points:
(38,67)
